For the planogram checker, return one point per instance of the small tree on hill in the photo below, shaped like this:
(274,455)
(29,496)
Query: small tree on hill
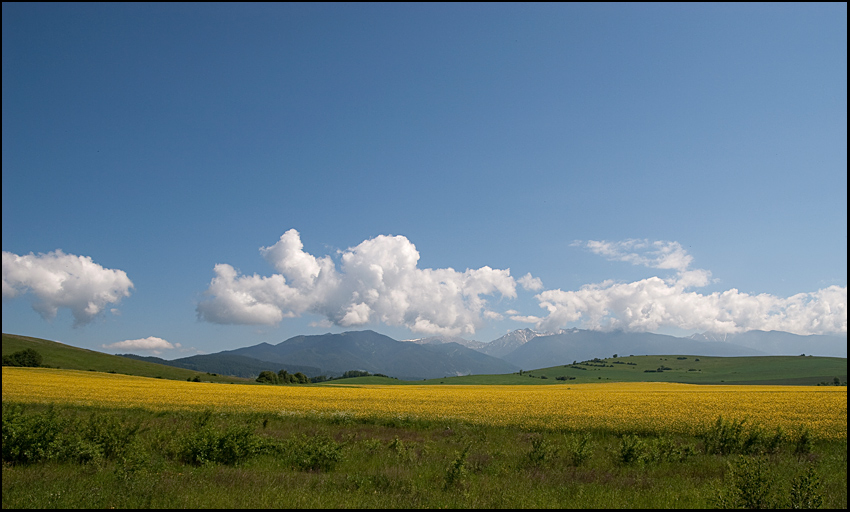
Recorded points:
(267,377)
(27,357)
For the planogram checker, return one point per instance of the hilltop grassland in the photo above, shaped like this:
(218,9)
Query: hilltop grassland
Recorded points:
(686,369)
(59,355)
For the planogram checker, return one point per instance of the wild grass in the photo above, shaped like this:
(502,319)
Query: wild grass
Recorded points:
(88,457)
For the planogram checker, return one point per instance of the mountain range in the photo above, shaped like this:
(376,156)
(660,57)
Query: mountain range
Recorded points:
(443,356)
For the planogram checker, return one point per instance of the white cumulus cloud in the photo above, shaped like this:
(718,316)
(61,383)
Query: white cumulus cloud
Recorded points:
(60,280)
(653,303)
(656,254)
(377,281)
(530,283)
(151,344)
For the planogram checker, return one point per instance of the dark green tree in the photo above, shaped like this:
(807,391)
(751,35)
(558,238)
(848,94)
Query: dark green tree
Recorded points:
(267,377)
(27,357)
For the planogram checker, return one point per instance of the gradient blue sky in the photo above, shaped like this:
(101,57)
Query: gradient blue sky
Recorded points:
(651,166)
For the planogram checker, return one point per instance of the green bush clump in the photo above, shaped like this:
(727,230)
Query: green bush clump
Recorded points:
(631,449)
(207,445)
(749,484)
(734,437)
(542,451)
(28,357)
(317,453)
(578,448)
(46,436)
(31,438)
(805,490)
(652,450)
(101,437)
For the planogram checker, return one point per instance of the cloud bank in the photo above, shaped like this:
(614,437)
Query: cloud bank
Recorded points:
(150,344)
(378,281)
(653,303)
(60,280)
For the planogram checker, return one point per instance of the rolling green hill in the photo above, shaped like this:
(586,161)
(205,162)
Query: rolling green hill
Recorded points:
(59,355)
(778,370)
(787,370)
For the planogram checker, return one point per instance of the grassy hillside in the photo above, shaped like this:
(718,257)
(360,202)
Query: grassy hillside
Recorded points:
(59,355)
(791,370)
(787,370)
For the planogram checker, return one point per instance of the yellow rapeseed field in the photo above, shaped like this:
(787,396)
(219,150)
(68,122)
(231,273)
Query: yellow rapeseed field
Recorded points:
(641,406)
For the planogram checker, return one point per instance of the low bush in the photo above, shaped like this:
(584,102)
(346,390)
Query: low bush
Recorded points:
(31,438)
(749,485)
(209,445)
(456,471)
(317,453)
(542,451)
(578,448)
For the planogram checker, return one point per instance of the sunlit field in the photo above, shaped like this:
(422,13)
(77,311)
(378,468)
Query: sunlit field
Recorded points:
(617,407)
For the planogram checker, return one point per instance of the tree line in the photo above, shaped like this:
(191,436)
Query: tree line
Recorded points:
(284,377)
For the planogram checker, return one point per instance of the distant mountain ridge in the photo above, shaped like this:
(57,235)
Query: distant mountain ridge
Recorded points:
(238,366)
(581,345)
(437,340)
(509,342)
(782,343)
(376,353)
(443,356)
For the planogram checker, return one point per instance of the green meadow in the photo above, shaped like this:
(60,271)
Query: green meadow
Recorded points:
(84,457)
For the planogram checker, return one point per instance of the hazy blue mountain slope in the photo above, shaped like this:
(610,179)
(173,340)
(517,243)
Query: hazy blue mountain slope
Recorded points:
(375,353)
(783,343)
(229,364)
(581,345)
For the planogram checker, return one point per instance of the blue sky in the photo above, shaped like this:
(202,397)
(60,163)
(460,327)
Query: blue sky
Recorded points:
(667,168)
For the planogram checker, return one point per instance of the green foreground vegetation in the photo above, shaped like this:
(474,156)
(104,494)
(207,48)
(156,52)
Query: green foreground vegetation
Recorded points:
(75,457)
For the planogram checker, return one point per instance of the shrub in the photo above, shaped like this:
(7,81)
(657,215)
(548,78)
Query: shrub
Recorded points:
(28,357)
(805,490)
(578,448)
(724,437)
(402,452)
(456,471)
(104,436)
(664,449)
(207,445)
(631,449)
(749,486)
(542,451)
(31,438)
(319,453)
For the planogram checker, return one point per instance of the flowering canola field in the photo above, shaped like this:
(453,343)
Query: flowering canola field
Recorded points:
(621,407)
